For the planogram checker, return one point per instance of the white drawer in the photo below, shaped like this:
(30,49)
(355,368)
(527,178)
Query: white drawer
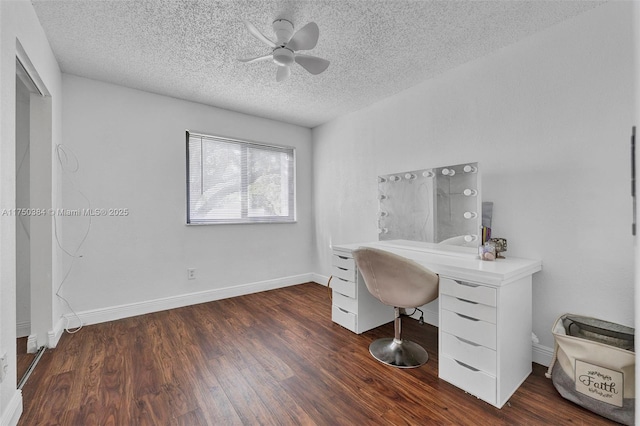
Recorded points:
(343,261)
(474,381)
(346,274)
(468,291)
(344,318)
(347,303)
(474,330)
(342,286)
(469,308)
(472,354)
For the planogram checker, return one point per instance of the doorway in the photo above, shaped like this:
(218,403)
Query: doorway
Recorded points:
(24,88)
(33,221)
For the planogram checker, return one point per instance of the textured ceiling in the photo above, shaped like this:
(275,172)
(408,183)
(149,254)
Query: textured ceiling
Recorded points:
(189,49)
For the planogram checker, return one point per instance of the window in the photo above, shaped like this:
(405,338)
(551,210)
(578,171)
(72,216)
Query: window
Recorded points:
(233,181)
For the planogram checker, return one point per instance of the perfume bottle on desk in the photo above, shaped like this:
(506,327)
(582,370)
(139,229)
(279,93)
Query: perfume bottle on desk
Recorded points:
(493,249)
(501,246)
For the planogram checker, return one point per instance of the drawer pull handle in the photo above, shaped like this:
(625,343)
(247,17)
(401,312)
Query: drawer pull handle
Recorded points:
(343,310)
(342,269)
(467,317)
(467,301)
(343,257)
(462,364)
(468,342)
(342,279)
(464,283)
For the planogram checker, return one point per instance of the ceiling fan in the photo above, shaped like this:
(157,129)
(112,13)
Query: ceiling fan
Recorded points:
(286,47)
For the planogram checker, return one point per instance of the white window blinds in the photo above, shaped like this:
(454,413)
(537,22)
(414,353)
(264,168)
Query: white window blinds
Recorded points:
(233,181)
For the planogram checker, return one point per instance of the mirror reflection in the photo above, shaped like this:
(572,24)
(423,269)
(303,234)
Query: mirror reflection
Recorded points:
(437,205)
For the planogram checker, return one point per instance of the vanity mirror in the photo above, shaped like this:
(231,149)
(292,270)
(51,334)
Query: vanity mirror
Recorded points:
(437,205)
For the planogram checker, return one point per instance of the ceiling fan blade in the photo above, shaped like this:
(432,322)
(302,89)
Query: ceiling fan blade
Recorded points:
(257,34)
(283,73)
(268,57)
(313,64)
(305,38)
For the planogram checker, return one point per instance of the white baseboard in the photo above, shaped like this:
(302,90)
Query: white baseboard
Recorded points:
(23,328)
(32,344)
(13,411)
(112,313)
(319,279)
(541,354)
(53,336)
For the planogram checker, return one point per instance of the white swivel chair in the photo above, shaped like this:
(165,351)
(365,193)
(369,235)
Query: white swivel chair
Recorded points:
(402,283)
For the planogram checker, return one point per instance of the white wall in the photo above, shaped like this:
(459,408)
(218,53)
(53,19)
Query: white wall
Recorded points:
(549,120)
(130,146)
(18,23)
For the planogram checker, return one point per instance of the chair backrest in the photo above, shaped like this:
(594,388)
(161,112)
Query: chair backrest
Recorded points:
(395,280)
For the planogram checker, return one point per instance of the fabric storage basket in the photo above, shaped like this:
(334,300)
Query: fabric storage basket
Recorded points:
(594,366)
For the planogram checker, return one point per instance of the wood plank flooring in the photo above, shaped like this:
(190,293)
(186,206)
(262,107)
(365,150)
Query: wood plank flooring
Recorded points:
(24,359)
(270,358)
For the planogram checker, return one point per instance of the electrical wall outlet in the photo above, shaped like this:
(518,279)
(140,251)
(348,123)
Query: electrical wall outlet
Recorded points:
(191,274)
(4,366)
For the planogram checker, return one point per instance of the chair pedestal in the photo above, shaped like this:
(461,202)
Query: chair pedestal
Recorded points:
(397,352)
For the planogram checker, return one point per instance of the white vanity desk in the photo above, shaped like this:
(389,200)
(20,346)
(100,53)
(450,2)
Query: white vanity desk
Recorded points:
(484,313)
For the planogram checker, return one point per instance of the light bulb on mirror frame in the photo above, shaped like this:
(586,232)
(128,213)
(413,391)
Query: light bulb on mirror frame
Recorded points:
(470,215)
(395,178)
(470,192)
(470,238)
(382,230)
(409,176)
(469,169)
(427,174)
(448,172)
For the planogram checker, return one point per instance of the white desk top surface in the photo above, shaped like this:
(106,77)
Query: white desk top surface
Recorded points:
(461,263)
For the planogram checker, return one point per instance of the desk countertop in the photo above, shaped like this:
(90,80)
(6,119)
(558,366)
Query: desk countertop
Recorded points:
(461,263)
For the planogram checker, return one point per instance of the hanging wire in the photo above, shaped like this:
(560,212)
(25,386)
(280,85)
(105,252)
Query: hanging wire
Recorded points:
(69,165)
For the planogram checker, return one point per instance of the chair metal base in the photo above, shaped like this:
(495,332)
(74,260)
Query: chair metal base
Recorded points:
(398,353)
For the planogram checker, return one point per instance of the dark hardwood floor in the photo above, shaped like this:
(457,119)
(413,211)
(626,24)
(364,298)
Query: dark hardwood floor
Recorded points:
(24,358)
(272,358)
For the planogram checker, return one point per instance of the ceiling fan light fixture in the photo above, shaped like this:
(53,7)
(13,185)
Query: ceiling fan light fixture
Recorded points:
(283,56)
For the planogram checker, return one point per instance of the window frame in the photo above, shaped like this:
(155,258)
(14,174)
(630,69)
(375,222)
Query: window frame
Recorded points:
(245,218)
